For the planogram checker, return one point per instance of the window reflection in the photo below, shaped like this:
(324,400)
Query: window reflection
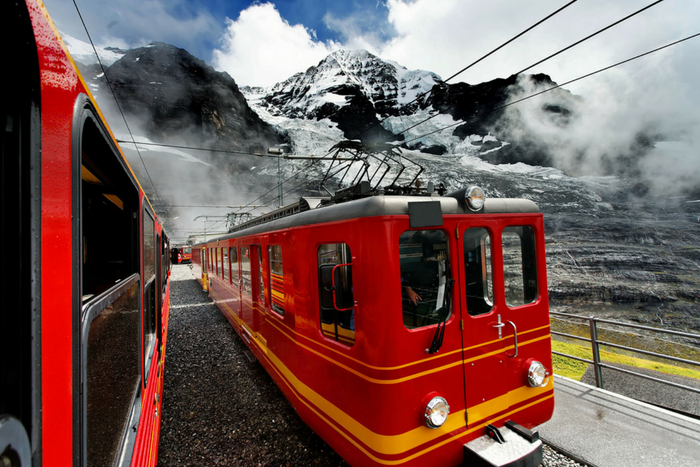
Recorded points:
(425,277)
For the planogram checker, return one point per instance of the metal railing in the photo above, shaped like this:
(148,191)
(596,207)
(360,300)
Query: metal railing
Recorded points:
(596,343)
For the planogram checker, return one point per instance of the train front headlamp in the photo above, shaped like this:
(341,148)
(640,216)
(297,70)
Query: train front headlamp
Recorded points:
(475,197)
(537,375)
(436,412)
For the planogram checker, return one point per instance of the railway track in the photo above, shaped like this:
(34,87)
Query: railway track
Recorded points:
(220,408)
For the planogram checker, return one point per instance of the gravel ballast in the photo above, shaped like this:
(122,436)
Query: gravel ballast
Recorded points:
(219,408)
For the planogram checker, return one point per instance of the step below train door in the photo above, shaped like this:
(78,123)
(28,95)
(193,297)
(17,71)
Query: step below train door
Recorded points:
(505,319)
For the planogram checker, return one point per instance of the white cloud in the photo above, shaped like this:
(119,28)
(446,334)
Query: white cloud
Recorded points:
(260,48)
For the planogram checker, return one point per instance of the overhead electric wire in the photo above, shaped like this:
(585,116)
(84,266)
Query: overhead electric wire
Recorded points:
(563,84)
(590,36)
(423,94)
(155,191)
(176,146)
(538,63)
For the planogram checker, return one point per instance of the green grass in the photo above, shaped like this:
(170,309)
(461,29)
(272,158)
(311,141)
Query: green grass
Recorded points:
(574,369)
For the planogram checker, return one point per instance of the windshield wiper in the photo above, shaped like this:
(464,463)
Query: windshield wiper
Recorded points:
(440,331)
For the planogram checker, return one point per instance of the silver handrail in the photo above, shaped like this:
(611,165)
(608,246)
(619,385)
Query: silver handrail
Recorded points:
(596,343)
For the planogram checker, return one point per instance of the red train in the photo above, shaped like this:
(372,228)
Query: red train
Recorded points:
(85,288)
(405,330)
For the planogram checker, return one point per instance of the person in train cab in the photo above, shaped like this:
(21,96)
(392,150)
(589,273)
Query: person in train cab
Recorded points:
(410,293)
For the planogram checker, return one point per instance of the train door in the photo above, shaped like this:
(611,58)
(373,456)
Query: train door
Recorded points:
(499,280)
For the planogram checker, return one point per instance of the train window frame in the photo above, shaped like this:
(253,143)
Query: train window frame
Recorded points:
(149,302)
(131,406)
(425,279)
(233,253)
(246,279)
(524,266)
(226,266)
(336,315)
(100,174)
(481,298)
(260,266)
(277,303)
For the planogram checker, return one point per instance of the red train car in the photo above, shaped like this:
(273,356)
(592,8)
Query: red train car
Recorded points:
(85,284)
(405,330)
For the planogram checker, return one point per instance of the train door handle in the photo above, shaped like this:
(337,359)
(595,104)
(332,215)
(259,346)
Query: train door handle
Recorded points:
(515,338)
(499,326)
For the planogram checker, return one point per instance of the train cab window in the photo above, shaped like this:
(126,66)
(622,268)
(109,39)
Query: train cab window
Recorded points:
(336,292)
(246,285)
(426,280)
(276,278)
(519,266)
(233,254)
(478,271)
(226,266)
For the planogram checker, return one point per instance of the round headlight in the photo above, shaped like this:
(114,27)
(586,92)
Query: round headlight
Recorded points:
(537,375)
(436,412)
(475,196)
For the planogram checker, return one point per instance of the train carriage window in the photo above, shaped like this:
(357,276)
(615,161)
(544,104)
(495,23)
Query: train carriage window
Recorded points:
(217,261)
(111,371)
(276,278)
(226,266)
(519,265)
(478,270)
(426,280)
(233,254)
(337,313)
(261,274)
(149,289)
(246,284)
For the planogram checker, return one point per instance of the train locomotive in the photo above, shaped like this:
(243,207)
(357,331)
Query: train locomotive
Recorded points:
(85,288)
(404,329)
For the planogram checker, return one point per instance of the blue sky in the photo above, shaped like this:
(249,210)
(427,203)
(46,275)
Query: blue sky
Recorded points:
(261,43)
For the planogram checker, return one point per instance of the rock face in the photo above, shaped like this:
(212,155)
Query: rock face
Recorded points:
(176,93)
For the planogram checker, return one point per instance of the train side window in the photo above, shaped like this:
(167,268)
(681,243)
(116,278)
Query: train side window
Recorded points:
(217,263)
(246,284)
(226,266)
(149,290)
(233,254)
(519,265)
(426,280)
(261,274)
(337,314)
(276,278)
(111,373)
(478,270)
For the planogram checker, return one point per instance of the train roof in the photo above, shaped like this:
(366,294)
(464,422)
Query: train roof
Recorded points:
(310,211)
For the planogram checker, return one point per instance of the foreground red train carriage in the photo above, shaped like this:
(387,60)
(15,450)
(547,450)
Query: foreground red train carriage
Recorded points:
(85,284)
(405,330)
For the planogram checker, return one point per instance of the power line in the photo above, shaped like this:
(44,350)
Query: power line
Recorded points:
(562,84)
(590,36)
(175,146)
(535,64)
(424,94)
(115,96)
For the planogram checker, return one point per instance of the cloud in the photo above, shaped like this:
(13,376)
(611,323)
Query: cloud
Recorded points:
(133,23)
(260,48)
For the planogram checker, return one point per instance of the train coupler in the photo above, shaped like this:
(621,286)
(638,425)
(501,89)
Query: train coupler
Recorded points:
(510,446)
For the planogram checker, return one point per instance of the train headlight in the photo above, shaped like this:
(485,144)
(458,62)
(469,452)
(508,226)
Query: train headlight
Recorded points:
(474,196)
(537,375)
(436,412)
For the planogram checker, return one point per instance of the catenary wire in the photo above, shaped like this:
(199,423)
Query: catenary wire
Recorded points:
(424,94)
(155,191)
(563,84)
(538,63)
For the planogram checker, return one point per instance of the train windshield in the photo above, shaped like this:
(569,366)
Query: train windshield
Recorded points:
(425,277)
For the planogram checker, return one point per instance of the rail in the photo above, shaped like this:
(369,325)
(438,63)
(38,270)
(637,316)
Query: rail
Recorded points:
(596,343)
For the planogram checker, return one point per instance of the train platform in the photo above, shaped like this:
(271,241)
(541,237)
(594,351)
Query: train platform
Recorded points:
(603,429)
